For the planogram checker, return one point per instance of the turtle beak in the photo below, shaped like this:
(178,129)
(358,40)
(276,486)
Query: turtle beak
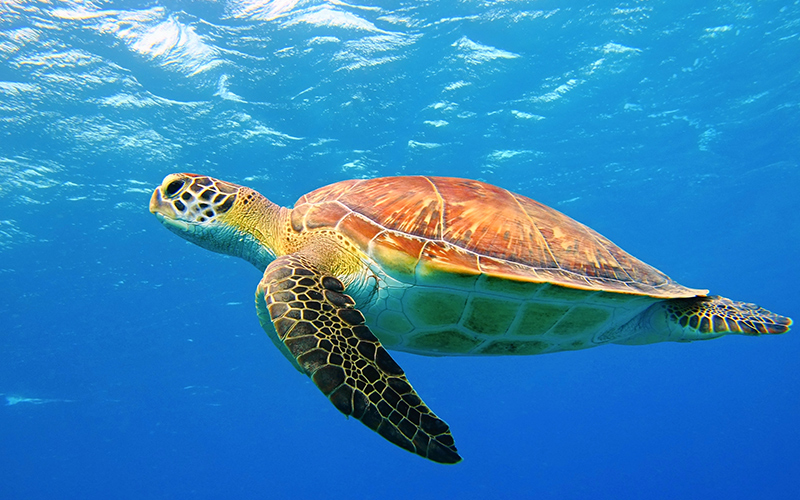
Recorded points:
(158,206)
(165,212)
(155,200)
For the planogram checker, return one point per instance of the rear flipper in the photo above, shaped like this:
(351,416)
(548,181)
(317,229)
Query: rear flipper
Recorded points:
(702,318)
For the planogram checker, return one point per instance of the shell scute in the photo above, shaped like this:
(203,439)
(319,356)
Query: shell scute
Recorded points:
(580,320)
(444,341)
(435,308)
(538,319)
(497,267)
(327,214)
(397,252)
(444,264)
(359,229)
(490,316)
(474,226)
(404,204)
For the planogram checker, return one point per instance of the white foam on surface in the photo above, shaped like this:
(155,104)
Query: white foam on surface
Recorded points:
(475,53)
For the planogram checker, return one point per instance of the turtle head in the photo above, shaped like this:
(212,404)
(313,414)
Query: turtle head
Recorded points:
(217,215)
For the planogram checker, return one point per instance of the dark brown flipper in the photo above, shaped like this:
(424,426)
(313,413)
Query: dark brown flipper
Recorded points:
(316,321)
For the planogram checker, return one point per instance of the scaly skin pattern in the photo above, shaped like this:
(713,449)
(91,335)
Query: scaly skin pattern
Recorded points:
(434,266)
(331,343)
(715,314)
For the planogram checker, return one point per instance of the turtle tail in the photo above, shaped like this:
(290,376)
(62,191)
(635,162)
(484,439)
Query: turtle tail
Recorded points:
(699,318)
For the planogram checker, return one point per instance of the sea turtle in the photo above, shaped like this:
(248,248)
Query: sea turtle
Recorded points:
(435,266)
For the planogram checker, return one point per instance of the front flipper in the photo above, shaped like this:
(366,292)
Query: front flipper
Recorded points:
(327,336)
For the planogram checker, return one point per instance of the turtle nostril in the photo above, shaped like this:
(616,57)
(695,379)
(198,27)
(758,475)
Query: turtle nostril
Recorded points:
(173,188)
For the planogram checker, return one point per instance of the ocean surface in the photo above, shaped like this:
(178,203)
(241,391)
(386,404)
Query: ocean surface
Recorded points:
(132,364)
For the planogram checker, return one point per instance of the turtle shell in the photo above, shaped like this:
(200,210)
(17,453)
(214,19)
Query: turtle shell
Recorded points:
(438,229)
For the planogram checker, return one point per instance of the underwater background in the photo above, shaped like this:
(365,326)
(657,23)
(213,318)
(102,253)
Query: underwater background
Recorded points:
(132,364)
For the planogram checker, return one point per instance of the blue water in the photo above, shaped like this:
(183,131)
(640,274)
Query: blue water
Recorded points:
(132,364)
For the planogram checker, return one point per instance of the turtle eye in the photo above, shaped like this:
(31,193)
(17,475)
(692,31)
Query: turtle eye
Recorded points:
(173,188)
